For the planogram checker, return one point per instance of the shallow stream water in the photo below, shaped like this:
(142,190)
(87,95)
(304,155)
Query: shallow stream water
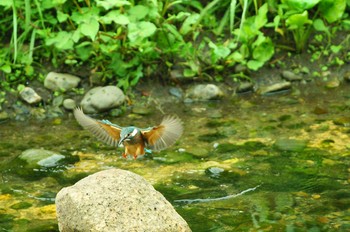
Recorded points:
(247,163)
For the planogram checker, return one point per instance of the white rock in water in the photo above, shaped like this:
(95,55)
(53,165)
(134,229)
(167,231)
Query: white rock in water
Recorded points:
(41,157)
(61,81)
(29,95)
(115,200)
(204,92)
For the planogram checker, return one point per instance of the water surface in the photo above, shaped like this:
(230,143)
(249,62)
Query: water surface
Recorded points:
(246,163)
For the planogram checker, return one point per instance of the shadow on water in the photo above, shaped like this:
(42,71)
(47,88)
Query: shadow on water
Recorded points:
(246,164)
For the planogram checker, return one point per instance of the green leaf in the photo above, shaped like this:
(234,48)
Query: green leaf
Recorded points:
(255,64)
(187,26)
(189,73)
(61,17)
(62,40)
(320,26)
(138,12)
(260,18)
(90,29)
(264,51)
(6,3)
(139,31)
(300,5)
(332,10)
(108,4)
(336,49)
(298,21)
(115,16)
(49,4)
(6,68)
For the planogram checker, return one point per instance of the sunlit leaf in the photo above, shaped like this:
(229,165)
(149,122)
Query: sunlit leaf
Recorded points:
(61,17)
(300,5)
(116,17)
(6,3)
(255,64)
(298,20)
(140,30)
(90,29)
(187,26)
(62,40)
(108,4)
(138,12)
(332,10)
(6,68)
(264,51)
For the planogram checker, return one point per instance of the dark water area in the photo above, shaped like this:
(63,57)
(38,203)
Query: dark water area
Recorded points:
(246,163)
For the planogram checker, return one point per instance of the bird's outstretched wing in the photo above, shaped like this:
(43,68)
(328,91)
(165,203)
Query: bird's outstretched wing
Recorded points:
(164,135)
(103,130)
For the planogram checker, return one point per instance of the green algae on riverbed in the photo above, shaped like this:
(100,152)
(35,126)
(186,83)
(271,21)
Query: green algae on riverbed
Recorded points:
(298,157)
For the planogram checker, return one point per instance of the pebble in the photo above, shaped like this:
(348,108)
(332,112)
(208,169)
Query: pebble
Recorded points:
(61,81)
(204,92)
(291,76)
(69,104)
(30,96)
(275,88)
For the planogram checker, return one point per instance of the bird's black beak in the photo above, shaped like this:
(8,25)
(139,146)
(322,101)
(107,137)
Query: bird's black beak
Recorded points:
(126,138)
(121,141)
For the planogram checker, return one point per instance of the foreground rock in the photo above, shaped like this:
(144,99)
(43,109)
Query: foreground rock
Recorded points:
(115,200)
(100,99)
(204,92)
(61,81)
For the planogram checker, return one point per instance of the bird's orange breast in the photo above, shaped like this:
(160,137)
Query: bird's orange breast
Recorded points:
(134,150)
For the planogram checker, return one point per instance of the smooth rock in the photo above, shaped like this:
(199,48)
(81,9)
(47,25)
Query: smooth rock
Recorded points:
(204,92)
(100,99)
(275,88)
(61,81)
(30,96)
(346,76)
(332,84)
(290,144)
(69,104)
(41,157)
(141,109)
(291,76)
(245,87)
(177,92)
(4,115)
(115,200)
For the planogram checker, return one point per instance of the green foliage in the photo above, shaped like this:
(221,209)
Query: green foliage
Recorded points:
(124,41)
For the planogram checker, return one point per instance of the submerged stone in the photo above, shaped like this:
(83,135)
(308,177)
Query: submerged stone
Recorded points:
(275,88)
(291,76)
(211,137)
(290,144)
(21,205)
(41,157)
(343,121)
(204,92)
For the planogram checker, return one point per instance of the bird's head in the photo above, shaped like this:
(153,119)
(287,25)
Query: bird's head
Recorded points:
(129,135)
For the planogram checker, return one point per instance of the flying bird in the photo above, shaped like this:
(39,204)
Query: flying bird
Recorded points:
(135,140)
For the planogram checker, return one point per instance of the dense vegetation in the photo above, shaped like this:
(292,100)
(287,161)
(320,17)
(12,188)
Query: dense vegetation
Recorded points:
(120,41)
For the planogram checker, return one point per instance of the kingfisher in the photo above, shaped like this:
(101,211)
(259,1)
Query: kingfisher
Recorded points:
(135,140)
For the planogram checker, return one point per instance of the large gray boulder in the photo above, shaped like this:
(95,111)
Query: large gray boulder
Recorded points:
(61,81)
(100,99)
(115,200)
